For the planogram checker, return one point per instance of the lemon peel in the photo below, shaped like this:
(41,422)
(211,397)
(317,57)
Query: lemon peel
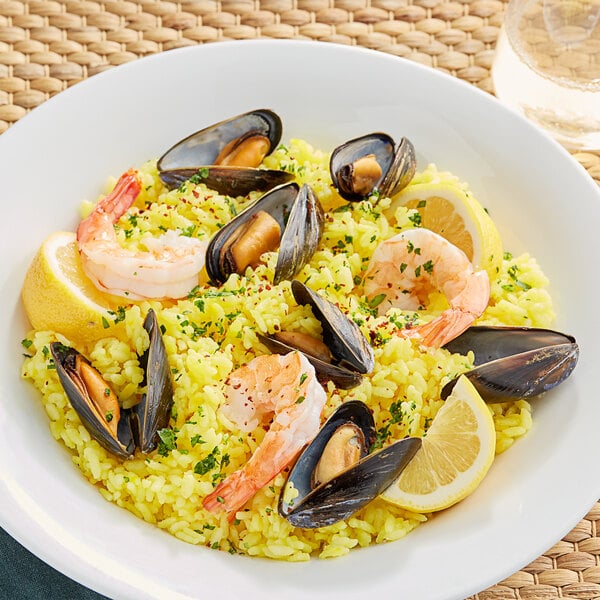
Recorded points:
(448,208)
(455,455)
(58,296)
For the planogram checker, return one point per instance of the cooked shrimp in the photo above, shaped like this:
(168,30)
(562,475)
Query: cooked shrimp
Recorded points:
(409,266)
(169,269)
(281,387)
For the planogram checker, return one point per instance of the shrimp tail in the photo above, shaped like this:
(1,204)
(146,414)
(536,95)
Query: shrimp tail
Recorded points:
(231,494)
(114,205)
(449,325)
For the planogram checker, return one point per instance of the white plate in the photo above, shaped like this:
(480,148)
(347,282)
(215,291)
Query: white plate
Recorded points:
(541,199)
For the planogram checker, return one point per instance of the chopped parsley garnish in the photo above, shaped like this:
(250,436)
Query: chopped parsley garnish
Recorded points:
(188,231)
(208,463)
(428,266)
(199,175)
(512,272)
(167,441)
(375,301)
(196,439)
(415,218)
(118,315)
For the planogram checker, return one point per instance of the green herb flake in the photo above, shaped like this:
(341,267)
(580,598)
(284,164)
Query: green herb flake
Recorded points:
(199,175)
(188,231)
(375,301)
(167,441)
(26,343)
(118,315)
(208,463)
(415,218)
(428,266)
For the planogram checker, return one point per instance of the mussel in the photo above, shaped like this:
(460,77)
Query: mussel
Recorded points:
(226,156)
(515,362)
(344,354)
(372,162)
(288,217)
(335,476)
(116,430)
(153,412)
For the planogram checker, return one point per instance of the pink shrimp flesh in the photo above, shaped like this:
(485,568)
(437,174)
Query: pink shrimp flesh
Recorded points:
(169,269)
(283,388)
(406,268)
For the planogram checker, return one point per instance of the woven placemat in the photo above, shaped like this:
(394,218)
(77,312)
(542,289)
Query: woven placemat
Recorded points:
(47,46)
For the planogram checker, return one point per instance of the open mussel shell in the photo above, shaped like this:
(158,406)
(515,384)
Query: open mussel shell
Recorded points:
(153,412)
(515,362)
(119,431)
(354,487)
(299,215)
(342,336)
(372,162)
(230,181)
(326,371)
(301,236)
(199,153)
(75,372)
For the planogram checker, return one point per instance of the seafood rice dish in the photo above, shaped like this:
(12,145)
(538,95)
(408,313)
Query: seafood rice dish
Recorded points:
(281,329)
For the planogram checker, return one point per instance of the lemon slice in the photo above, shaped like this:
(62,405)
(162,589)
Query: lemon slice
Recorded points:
(59,297)
(452,212)
(455,455)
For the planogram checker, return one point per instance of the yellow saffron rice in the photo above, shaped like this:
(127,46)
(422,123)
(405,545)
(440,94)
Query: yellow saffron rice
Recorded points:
(215,331)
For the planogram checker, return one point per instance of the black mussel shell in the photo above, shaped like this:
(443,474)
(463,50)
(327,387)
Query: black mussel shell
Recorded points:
(353,488)
(230,181)
(202,147)
(398,164)
(139,425)
(153,412)
(195,155)
(403,169)
(300,217)
(515,362)
(343,337)
(277,202)
(343,378)
(301,236)
(123,444)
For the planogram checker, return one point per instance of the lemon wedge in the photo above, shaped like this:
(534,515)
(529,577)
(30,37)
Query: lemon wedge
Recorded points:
(452,212)
(455,455)
(58,296)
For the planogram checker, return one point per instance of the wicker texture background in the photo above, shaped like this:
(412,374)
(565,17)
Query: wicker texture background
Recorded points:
(47,46)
